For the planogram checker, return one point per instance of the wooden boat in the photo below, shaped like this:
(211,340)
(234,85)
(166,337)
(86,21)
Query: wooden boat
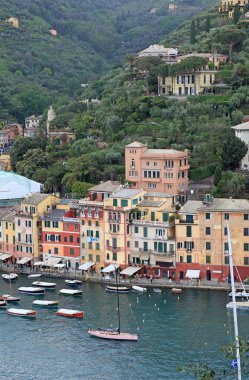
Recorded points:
(73,283)
(239,305)
(118,289)
(21,312)
(176,290)
(2,304)
(44,303)
(46,285)
(35,275)
(240,294)
(10,277)
(157,290)
(71,292)
(70,313)
(139,288)
(9,298)
(31,290)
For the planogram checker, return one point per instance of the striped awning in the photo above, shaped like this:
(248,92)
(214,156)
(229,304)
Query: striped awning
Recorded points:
(5,256)
(52,261)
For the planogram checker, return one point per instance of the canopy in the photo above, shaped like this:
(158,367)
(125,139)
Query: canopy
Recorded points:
(52,261)
(39,263)
(5,256)
(193,273)
(59,265)
(24,260)
(129,271)
(110,268)
(86,266)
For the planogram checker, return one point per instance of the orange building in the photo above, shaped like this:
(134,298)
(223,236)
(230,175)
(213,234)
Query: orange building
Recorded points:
(160,170)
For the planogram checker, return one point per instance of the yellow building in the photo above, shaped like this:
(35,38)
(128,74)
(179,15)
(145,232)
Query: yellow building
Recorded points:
(7,232)
(226,8)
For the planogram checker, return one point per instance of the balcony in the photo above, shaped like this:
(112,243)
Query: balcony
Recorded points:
(70,220)
(152,223)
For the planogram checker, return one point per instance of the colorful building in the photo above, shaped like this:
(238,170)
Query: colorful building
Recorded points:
(7,233)
(157,170)
(226,8)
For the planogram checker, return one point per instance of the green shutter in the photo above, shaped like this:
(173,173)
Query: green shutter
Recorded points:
(115,202)
(155,246)
(165,217)
(152,216)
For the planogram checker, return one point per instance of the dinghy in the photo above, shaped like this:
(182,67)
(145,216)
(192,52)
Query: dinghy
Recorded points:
(73,283)
(10,277)
(176,290)
(2,304)
(239,305)
(139,288)
(21,312)
(9,298)
(46,285)
(44,303)
(156,290)
(35,275)
(119,289)
(71,292)
(70,313)
(31,290)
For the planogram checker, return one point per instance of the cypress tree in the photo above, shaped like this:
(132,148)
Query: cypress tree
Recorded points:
(236,14)
(192,32)
(217,175)
(207,25)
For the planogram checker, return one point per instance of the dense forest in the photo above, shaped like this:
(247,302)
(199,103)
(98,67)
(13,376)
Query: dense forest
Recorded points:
(37,68)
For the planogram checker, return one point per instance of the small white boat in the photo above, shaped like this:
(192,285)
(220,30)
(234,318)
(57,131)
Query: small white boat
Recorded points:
(3,304)
(35,275)
(119,289)
(139,288)
(112,335)
(240,294)
(73,283)
(176,290)
(43,303)
(9,298)
(239,305)
(31,290)
(10,277)
(157,290)
(71,292)
(46,285)
(21,312)
(70,313)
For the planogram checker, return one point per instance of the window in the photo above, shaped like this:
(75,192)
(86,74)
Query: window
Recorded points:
(246,260)
(114,256)
(208,231)
(145,246)
(97,234)
(152,216)
(90,245)
(83,222)
(246,231)
(181,259)
(136,244)
(179,245)
(89,222)
(78,240)
(124,202)
(225,231)
(207,215)
(47,224)
(19,237)
(208,246)
(7,238)
(226,260)
(97,246)
(115,202)
(226,216)
(107,256)
(246,217)
(189,259)
(71,251)
(90,256)
(98,258)
(145,232)
(246,246)
(18,222)
(65,239)
(136,230)
(189,218)
(71,239)
(208,259)
(97,223)
(147,163)
(189,231)
(226,247)
(55,224)
(165,217)
(55,250)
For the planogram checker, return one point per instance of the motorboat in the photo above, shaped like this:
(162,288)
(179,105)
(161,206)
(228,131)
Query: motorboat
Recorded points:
(46,285)
(10,277)
(45,303)
(70,313)
(139,288)
(34,275)
(118,289)
(21,312)
(112,334)
(240,294)
(71,292)
(73,283)
(176,290)
(31,290)
(3,304)
(157,290)
(239,305)
(9,298)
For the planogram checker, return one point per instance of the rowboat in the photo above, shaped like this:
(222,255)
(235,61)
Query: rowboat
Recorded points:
(112,334)
(139,288)
(35,275)
(70,313)
(71,292)
(44,303)
(21,312)
(73,283)
(156,290)
(46,285)
(31,290)
(2,304)
(119,289)
(176,290)
(9,298)
(239,305)
(240,294)
(10,277)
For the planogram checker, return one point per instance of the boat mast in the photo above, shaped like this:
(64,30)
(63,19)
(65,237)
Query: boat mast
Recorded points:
(118,301)
(235,321)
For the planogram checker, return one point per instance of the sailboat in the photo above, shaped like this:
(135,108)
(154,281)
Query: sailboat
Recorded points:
(114,334)
(9,297)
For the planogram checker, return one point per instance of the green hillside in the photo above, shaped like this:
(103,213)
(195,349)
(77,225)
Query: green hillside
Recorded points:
(92,36)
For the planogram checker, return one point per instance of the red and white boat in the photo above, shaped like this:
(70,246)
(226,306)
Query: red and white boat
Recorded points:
(21,313)
(9,298)
(70,313)
(112,334)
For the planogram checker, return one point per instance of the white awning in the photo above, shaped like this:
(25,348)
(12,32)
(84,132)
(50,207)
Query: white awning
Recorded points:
(86,266)
(191,273)
(110,268)
(24,260)
(52,261)
(5,256)
(59,265)
(39,263)
(129,271)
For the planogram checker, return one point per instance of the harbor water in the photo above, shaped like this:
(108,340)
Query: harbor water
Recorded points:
(175,330)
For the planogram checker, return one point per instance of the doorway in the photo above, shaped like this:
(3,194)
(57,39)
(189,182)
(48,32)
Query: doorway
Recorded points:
(208,275)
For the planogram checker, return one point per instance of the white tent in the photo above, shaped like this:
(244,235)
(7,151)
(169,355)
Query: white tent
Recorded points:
(86,266)
(130,271)
(194,273)
(110,268)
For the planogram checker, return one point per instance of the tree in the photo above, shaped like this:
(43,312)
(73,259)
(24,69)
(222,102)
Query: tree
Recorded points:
(230,36)
(231,185)
(233,150)
(207,24)
(80,189)
(192,33)
(21,147)
(236,13)
(217,175)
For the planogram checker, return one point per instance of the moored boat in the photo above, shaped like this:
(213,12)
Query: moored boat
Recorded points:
(112,334)
(10,277)
(31,290)
(139,288)
(118,289)
(157,290)
(2,304)
(44,303)
(21,312)
(240,294)
(239,305)
(70,313)
(9,298)
(176,290)
(73,283)
(34,275)
(46,285)
(71,292)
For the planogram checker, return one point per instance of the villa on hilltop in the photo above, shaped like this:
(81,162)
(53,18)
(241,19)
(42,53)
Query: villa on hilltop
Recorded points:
(226,7)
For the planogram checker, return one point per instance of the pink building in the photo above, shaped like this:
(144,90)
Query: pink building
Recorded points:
(160,170)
